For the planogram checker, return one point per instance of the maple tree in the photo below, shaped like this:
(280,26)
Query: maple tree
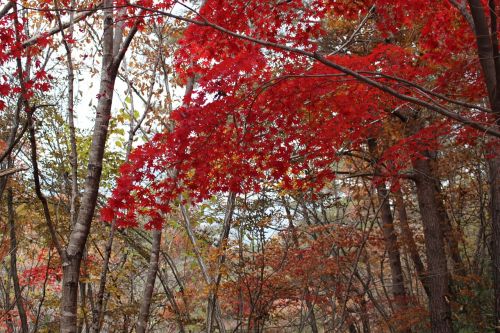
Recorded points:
(253,141)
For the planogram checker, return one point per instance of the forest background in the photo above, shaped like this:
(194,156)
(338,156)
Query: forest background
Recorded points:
(249,166)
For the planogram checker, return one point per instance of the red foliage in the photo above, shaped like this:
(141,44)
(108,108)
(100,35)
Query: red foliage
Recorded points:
(269,115)
(42,272)
(12,35)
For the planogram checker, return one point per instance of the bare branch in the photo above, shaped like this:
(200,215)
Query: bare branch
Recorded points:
(83,15)
(10,171)
(38,190)
(462,8)
(8,6)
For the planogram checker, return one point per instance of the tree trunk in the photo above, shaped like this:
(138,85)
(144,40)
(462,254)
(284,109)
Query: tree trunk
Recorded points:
(390,237)
(96,314)
(73,156)
(450,235)
(310,306)
(410,241)
(494,166)
(391,245)
(78,237)
(438,276)
(212,305)
(488,54)
(201,263)
(311,316)
(179,316)
(142,322)
(13,263)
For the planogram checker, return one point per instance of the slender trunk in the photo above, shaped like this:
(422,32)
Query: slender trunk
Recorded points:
(196,250)
(365,319)
(179,316)
(72,138)
(391,245)
(241,267)
(488,54)
(310,309)
(494,166)
(13,263)
(38,189)
(212,298)
(78,237)
(96,314)
(142,321)
(480,248)
(97,311)
(438,276)
(293,231)
(73,156)
(451,236)
(390,237)
(8,306)
(409,240)
(203,267)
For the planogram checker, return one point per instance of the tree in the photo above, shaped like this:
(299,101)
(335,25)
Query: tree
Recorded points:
(355,143)
(249,138)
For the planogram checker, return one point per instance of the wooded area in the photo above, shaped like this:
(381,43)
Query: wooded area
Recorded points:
(249,166)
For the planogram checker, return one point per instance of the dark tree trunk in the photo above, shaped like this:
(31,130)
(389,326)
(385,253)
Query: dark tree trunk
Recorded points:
(310,309)
(494,165)
(488,54)
(450,235)
(391,245)
(409,241)
(438,276)
(97,311)
(390,237)
(142,322)
(13,263)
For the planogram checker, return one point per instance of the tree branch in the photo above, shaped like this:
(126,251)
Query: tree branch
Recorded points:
(10,171)
(321,58)
(41,197)
(8,6)
(83,15)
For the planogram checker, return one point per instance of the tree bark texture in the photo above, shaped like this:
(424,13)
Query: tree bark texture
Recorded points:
(81,229)
(437,274)
(409,240)
(488,54)
(142,322)
(390,237)
(13,263)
